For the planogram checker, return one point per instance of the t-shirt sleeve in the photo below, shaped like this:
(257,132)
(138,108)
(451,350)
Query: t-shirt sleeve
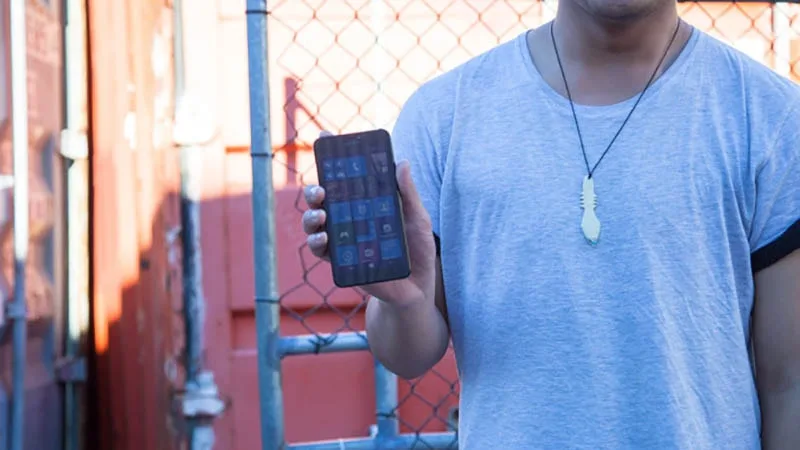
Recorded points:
(413,141)
(775,228)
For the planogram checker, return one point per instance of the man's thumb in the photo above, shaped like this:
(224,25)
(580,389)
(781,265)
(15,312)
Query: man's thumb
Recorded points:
(412,203)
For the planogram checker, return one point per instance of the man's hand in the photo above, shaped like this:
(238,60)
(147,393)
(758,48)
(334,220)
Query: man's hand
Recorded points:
(776,331)
(419,287)
(406,319)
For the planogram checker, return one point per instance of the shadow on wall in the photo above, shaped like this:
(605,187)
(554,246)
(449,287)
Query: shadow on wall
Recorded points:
(44,291)
(139,341)
(326,396)
(137,329)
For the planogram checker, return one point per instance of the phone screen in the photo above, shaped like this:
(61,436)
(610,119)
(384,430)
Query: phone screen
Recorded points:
(366,238)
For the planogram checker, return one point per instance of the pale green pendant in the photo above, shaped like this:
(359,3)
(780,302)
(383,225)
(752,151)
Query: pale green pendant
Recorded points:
(590,224)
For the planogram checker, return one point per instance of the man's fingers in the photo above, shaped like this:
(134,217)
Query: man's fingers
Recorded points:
(318,244)
(325,133)
(314,196)
(313,221)
(413,210)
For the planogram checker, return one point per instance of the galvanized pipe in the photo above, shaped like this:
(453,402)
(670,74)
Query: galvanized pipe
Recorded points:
(428,441)
(386,404)
(74,148)
(305,344)
(19,127)
(192,132)
(266,281)
(190,194)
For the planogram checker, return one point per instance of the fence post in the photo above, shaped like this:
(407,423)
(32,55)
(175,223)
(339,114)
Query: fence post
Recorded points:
(201,403)
(18,310)
(266,281)
(385,404)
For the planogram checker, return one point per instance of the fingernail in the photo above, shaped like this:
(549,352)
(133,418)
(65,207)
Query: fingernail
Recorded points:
(315,238)
(315,191)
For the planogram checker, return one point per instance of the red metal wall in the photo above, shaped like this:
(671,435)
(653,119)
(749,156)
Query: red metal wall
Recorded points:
(136,323)
(138,330)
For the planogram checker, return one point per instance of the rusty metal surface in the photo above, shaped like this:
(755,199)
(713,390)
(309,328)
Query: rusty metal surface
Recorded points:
(44,270)
(136,290)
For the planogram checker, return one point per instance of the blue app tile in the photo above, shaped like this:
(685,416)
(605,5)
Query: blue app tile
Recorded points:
(347,255)
(328,170)
(391,249)
(340,212)
(362,209)
(356,166)
(340,168)
(383,206)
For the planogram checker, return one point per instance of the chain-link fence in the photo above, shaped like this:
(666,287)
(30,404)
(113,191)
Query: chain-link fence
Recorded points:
(349,65)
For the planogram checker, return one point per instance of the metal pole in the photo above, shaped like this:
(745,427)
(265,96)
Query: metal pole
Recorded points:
(191,190)
(386,398)
(19,126)
(201,403)
(75,150)
(266,280)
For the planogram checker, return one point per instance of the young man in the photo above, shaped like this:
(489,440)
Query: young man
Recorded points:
(617,196)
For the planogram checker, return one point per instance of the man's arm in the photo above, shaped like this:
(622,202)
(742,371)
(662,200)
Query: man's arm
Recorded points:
(410,341)
(776,332)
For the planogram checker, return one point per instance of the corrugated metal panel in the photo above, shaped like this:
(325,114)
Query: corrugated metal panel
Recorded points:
(134,214)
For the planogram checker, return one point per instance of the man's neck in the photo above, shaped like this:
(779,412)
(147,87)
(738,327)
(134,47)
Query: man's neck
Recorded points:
(589,41)
(605,61)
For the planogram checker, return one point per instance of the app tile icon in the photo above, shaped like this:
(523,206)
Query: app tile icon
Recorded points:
(343,234)
(347,255)
(356,166)
(368,252)
(328,170)
(386,227)
(380,163)
(340,168)
(383,206)
(391,249)
(335,190)
(361,209)
(340,212)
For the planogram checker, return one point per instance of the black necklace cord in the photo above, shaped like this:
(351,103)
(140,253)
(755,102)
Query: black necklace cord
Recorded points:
(590,170)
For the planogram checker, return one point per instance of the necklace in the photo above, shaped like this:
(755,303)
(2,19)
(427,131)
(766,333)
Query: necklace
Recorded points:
(590,224)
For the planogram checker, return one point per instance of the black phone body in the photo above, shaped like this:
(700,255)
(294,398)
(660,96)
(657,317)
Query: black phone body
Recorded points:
(366,235)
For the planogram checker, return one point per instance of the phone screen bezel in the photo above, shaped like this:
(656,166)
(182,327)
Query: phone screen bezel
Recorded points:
(323,150)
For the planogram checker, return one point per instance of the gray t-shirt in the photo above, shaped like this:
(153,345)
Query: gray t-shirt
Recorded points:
(641,342)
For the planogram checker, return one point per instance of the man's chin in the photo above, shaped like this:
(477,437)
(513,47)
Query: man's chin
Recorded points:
(621,11)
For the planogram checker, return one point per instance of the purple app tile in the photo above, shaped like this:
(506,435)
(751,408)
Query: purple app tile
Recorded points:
(368,252)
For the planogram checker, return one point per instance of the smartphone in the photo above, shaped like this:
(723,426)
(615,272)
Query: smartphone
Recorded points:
(366,236)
